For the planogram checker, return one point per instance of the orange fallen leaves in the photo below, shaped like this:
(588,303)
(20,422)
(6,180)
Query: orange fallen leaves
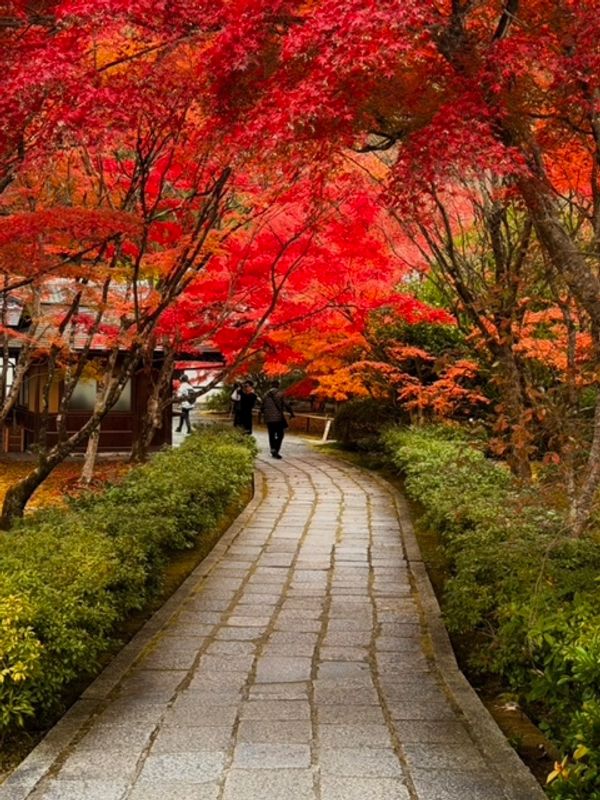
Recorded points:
(62,482)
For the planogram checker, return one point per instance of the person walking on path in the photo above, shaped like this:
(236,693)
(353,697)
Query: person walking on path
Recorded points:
(273,408)
(248,400)
(186,397)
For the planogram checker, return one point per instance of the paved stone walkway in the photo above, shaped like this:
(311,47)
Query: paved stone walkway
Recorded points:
(301,661)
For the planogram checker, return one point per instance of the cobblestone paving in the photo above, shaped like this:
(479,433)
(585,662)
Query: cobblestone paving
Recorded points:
(296,667)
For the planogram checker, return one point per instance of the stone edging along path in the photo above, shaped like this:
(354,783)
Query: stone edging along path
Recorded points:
(304,659)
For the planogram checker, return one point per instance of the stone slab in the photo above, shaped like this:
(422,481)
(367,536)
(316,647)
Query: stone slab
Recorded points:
(174,790)
(364,734)
(335,788)
(259,731)
(276,710)
(445,785)
(260,785)
(271,756)
(360,762)
(277,669)
(81,790)
(203,766)
(110,738)
(101,764)
(192,739)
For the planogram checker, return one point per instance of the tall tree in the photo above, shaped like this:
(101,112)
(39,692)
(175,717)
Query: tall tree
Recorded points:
(445,88)
(114,219)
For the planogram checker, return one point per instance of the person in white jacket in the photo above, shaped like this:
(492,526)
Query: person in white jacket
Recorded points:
(186,397)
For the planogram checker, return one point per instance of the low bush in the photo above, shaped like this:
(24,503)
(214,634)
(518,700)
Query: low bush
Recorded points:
(20,651)
(219,400)
(528,590)
(68,576)
(358,423)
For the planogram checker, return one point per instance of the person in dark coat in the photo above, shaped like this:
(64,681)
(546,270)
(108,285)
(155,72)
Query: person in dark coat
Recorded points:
(236,395)
(248,400)
(273,407)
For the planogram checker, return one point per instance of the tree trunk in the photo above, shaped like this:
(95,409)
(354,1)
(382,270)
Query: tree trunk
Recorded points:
(583,505)
(153,421)
(91,451)
(508,380)
(584,285)
(18,494)
(564,253)
(141,444)
(89,462)
(159,399)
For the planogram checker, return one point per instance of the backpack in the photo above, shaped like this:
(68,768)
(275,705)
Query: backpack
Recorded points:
(191,396)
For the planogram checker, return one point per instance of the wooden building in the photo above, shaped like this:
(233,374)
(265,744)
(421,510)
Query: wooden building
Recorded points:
(120,427)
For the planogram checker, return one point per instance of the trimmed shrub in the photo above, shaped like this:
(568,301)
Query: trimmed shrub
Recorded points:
(359,423)
(20,652)
(219,401)
(517,579)
(68,576)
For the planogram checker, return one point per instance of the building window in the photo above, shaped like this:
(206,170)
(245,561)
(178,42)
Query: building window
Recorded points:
(10,372)
(124,401)
(84,396)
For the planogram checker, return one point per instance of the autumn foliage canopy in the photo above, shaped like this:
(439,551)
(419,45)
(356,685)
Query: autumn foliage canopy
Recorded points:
(266,174)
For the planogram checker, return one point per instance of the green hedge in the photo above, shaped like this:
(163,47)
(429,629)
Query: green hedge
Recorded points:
(529,591)
(358,423)
(67,577)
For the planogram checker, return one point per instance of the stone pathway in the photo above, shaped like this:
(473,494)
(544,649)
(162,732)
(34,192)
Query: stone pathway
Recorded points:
(303,660)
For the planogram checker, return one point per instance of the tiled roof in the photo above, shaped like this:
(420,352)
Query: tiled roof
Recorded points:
(56,297)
